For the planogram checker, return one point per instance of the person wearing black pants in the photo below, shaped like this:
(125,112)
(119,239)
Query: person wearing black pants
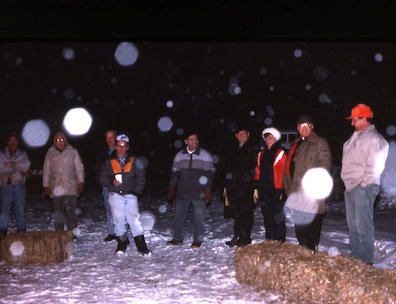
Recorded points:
(238,190)
(269,185)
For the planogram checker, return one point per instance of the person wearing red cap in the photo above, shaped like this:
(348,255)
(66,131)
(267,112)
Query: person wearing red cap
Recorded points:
(363,160)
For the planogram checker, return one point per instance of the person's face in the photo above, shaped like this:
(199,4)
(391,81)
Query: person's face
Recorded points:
(12,144)
(110,139)
(304,129)
(192,142)
(242,136)
(122,148)
(60,143)
(359,123)
(269,140)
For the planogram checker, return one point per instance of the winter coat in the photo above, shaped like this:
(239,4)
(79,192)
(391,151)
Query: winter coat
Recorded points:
(133,175)
(240,165)
(192,174)
(17,173)
(363,158)
(278,168)
(305,154)
(62,171)
(103,154)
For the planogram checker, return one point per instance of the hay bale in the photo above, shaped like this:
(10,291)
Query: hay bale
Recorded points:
(301,275)
(36,247)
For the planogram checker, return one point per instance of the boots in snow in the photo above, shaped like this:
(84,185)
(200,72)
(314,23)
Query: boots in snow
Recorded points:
(141,245)
(122,245)
(232,242)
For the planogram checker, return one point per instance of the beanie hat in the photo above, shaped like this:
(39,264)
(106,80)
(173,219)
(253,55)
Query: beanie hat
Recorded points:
(274,132)
(306,119)
(361,110)
(122,137)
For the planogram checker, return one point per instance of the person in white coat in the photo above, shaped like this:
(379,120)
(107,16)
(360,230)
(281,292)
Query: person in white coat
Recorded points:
(63,180)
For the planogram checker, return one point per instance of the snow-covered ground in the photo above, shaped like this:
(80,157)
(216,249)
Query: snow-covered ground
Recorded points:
(95,274)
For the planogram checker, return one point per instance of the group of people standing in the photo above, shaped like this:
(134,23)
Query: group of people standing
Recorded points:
(267,178)
(273,175)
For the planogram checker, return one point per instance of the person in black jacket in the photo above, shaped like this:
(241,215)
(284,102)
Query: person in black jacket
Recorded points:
(125,178)
(238,190)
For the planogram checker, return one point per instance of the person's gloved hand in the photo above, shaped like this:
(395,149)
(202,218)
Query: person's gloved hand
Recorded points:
(47,191)
(80,188)
(170,196)
(226,201)
(207,196)
(255,197)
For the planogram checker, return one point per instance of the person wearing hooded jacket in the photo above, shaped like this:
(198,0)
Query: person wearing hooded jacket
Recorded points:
(308,151)
(269,189)
(125,178)
(63,180)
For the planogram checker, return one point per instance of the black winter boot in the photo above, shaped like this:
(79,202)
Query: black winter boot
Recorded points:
(122,245)
(141,245)
(232,242)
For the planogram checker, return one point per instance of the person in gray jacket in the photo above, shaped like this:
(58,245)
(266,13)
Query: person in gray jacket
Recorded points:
(14,168)
(63,180)
(363,160)
(190,184)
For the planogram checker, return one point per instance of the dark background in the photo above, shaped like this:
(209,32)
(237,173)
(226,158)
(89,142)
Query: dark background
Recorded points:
(189,53)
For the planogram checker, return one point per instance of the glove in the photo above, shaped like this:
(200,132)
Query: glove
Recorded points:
(47,191)
(170,196)
(255,197)
(226,202)
(207,195)
(80,187)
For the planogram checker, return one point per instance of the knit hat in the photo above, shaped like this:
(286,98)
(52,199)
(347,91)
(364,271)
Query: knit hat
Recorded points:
(122,137)
(361,110)
(305,119)
(274,132)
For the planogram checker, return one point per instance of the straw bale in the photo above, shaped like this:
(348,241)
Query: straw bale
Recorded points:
(299,274)
(36,247)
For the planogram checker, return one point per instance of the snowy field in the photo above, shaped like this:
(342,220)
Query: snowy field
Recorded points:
(94,274)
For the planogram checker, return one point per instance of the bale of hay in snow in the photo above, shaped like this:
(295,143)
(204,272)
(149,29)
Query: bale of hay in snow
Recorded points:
(36,247)
(300,274)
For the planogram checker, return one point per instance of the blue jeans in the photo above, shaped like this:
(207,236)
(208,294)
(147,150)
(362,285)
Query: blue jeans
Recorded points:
(181,212)
(359,207)
(125,210)
(13,194)
(109,216)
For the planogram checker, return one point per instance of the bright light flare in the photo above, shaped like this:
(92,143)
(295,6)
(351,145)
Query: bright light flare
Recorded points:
(35,133)
(77,121)
(126,53)
(317,183)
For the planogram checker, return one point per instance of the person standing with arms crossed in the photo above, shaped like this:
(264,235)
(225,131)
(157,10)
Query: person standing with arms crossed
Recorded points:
(363,160)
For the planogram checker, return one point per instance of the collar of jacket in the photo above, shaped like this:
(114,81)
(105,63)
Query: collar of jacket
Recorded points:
(313,137)
(196,152)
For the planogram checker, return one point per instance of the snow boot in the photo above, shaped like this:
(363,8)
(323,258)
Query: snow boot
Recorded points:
(233,241)
(141,245)
(122,245)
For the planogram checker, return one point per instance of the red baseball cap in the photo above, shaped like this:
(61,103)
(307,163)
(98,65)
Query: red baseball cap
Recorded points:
(361,110)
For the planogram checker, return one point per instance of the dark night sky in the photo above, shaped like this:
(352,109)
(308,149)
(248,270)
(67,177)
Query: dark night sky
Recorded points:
(195,74)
